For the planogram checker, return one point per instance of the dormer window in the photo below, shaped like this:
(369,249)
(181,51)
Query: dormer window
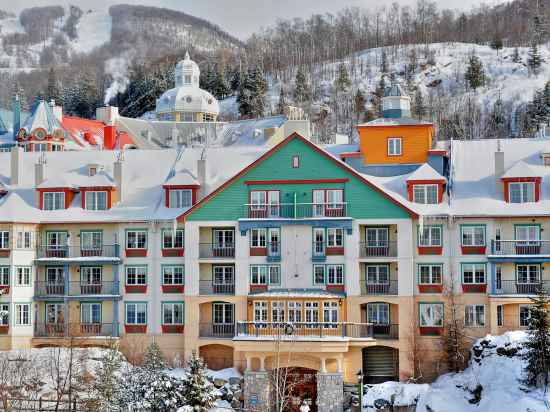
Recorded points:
(54,200)
(180,198)
(521,192)
(426,194)
(395,146)
(96,200)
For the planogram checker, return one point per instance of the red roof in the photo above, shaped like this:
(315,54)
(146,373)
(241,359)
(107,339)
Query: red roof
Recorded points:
(89,130)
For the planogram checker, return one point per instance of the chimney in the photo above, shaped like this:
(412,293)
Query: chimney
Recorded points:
(201,176)
(107,114)
(109,137)
(499,167)
(40,170)
(119,176)
(16,116)
(16,165)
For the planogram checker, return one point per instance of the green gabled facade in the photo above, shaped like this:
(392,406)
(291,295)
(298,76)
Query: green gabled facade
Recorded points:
(317,170)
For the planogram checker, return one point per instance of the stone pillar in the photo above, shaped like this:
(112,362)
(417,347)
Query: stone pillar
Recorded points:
(256,391)
(330,392)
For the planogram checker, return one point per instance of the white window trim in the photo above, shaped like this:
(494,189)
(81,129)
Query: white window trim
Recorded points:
(172,269)
(430,275)
(392,147)
(522,191)
(4,239)
(17,268)
(136,304)
(179,196)
(474,268)
(173,241)
(18,310)
(54,195)
(474,323)
(172,304)
(472,229)
(425,187)
(95,204)
(425,304)
(430,243)
(135,275)
(128,246)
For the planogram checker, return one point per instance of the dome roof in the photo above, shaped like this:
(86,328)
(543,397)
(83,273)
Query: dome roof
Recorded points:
(187,96)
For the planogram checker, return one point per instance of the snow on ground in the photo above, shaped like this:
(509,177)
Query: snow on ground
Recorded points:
(494,374)
(93,29)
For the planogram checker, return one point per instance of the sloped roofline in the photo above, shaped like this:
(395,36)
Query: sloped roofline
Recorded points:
(277,147)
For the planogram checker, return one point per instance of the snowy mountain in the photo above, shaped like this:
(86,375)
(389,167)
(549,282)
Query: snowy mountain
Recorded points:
(53,35)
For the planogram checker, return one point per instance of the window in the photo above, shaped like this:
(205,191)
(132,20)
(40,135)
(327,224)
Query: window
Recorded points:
(295,162)
(90,313)
(524,315)
(273,241)
(24,240)
(378,274)
(169,241)
(312,312)
(377,237)
(426,194)
(55,313)
(96,201)
(431,314)
(261,199)
(474,315)
(4,275)
(4,314)
(521,192)
(527,233)
(260,311)
(500,315)
(224,239)
(473,235)
(136,313)
(378,313)
(498,277)
(40,147)
(22,314)
(56,240)
(23,275)
(330,312)
(277,311)
(181,198)
(136,275)
(172,313)
(335,274)
(90,275)
(258,238)
(335,198)
(319,275)
(294,311)
(395,146)
(54,200)
(527,274)
(430,274)
(136,239)
(91,240)
(265,274)
(473,273)
(4,240)
(222,314)
(430,236)
(173,275)
(318,241)
(335,237)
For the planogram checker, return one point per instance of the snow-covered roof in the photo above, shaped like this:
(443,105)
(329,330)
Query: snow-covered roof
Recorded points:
(297,293)
(144,174)
(183,177)
(425,172)
(399,121)
(42,117)
(395,90)
(520,169)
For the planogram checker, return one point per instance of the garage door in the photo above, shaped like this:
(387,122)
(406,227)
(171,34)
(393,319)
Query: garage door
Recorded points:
(380,364)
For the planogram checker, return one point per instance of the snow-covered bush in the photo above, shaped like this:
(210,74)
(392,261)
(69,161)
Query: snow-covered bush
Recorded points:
(199,391)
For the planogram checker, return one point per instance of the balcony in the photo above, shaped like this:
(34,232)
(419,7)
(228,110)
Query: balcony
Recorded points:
(217,330)
(520,248)
(45,289)
(206,287)
(314,331)
(102,254)
(512,287)
(378,249)
(387,288)
(75,330)
(214,251)
(295,211)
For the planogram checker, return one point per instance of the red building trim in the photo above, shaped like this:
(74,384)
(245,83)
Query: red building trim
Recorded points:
(258,251)
(442,152)
(440,187)
(136,252)
(473,250)
(474,288)
(5,253)
(69,195)
(135,328)
(172,328)
(135,288)
(108,189)
(4,329)
(507,180)
(431,330)
(258,288)
(5,289)
(173,288)
(174,252)
(336,288)
(194,192)
(334,251)
(350,155)
(266,155)
(294,182)
(430,288)
(430,250)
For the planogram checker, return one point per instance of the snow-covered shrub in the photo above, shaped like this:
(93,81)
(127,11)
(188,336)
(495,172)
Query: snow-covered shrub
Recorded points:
(199,390)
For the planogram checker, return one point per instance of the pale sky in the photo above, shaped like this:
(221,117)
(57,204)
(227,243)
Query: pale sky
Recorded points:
(241,17)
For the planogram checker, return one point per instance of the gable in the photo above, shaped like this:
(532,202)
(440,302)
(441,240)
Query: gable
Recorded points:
(274,171)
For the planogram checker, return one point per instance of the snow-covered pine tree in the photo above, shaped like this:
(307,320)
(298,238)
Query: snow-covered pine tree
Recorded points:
(302,90)
(475,75)
(496,43)
(516,58)
(419,107)
(342,82)
(384,62)
(282,102)
(496,125)
(534,60)
(244,96)
(537,346)
(359,103)
(223,89)
(379,93)
(259,89)
(199,391)
(52,90)
(106,386)
(153,359)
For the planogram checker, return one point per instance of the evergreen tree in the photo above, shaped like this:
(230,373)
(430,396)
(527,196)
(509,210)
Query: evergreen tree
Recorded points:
(223,89)
(419,108)
(413,61)
(360,102)
(199,391)
(52,91)
(475,75)
(244,96)
(154,359)
(106,386)
(384,63)
(342,82)
(496,43)
(207,80)
(516,57)
(537,346)
(236,80)
(302,90)
(257,86)
(379,94)
(281,104)
(497,121)
(534,60)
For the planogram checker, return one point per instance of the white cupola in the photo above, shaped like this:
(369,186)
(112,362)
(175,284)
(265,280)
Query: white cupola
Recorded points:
(187,73)
(395,103)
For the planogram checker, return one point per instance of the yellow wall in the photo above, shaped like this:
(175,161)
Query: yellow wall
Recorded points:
(416,141)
